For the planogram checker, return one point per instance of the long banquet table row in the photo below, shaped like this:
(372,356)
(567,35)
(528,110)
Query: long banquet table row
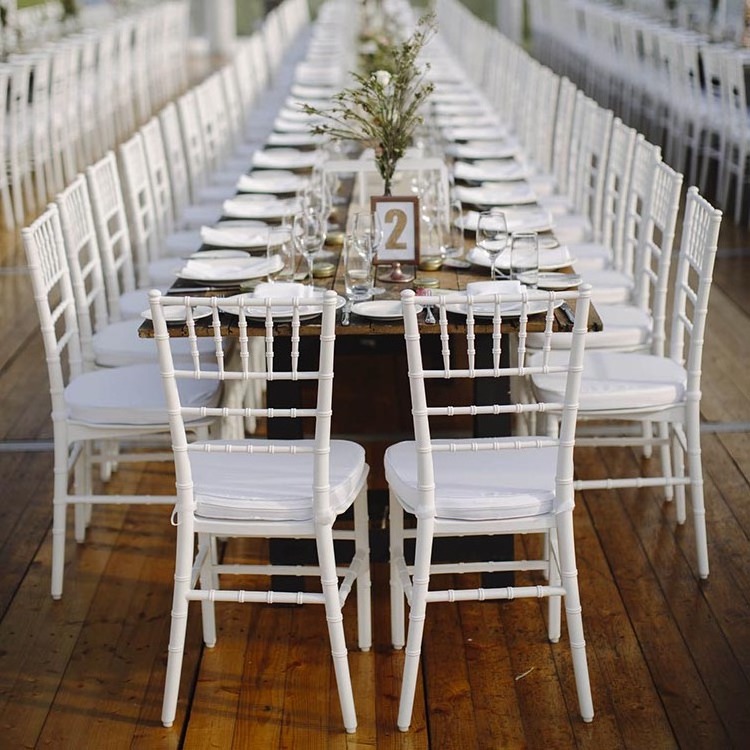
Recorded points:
(510,157)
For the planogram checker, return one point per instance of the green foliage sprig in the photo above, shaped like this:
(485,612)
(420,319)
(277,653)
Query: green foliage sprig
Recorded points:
(382,109)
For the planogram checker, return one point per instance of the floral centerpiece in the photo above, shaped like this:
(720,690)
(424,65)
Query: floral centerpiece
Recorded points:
(383,109)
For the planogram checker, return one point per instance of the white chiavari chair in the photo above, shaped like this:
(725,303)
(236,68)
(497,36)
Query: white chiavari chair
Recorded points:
(91,408)
(233,489)
(466,486)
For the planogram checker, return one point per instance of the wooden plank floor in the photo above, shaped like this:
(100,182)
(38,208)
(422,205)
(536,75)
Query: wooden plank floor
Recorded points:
(669,656)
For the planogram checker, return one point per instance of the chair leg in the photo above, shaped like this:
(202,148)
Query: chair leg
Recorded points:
(417,612)
(553,602)
(364,585)
(695,469)
(678,458)
(573,615)
(209,580)
(178,630)
(335,619)
(396,553)
(665,455)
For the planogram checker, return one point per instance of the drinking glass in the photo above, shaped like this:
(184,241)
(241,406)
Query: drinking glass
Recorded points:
(281,254)
(367,233)
(524,257)
(309,234)
(455,246)
(357,271)
(492,235)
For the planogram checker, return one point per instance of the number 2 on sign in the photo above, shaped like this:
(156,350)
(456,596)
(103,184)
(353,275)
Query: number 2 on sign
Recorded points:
(399,216)
(396,218)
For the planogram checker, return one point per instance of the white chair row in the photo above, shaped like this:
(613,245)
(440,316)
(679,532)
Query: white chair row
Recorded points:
(70,101)
(683,91)
(634,227)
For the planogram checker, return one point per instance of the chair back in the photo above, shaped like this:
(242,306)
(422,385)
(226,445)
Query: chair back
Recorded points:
(179,177)
(245,367)
(484,353)
(158,170)
(654,251)
(695,265)
(55,304)
(84,263)
(192,141)
(112,231)
(139,206)
(617,182)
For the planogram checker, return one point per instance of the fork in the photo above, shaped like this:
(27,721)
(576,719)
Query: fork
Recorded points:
(429,316)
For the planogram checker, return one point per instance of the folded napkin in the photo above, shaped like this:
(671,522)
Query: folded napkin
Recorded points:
(475,133)
(266,209)
(497,194)
(489,169)
(227,269)
(519,220)
(284,290)
(288,158)
(505,288)
(234,236)
(484,149)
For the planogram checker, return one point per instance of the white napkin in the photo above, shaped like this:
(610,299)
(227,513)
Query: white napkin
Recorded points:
(519,220)
(285,157)
(481,149)
(490,169)
(226,269)
(284,290)
(234,236)
(505,287)
(496,194)
(285,182)
(240,209)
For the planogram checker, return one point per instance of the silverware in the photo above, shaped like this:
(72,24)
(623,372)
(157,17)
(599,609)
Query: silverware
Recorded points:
(429,316)
(567,311)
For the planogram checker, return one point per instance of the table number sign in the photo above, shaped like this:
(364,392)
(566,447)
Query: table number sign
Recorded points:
(399,217)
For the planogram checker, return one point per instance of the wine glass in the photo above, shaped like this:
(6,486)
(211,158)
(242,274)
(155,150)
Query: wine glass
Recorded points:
(309,234)
(492,235)
(357,271)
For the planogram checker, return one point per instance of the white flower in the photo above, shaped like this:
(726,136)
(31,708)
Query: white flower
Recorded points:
(383,78)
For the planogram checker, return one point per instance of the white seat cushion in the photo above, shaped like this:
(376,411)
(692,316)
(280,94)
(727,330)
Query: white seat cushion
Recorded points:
(119,344)
(162,272)
(477,485)
(590,256)
(609,287)
(571,229)
(132,304)
(272,487)
(196,215)
(625,327)
(131,396)
(615,381)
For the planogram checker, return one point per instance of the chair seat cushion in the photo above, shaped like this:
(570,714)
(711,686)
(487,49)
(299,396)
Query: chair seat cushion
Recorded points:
(625,327)
(272,487)
(162,272)
(477,485)
(609,287)
(618,381)
(119,344)
(571,229)
(131,396)
(590,256)
(133,303)
(182,243)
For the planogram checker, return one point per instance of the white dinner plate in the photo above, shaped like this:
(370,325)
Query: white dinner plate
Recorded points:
(258,311)
(381,309)
(507,310)
(177,314)
(553,281)
(550,259)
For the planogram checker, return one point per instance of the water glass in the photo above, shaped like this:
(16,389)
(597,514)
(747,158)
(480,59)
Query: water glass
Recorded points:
(358,271)
(524,257)
(281,254)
